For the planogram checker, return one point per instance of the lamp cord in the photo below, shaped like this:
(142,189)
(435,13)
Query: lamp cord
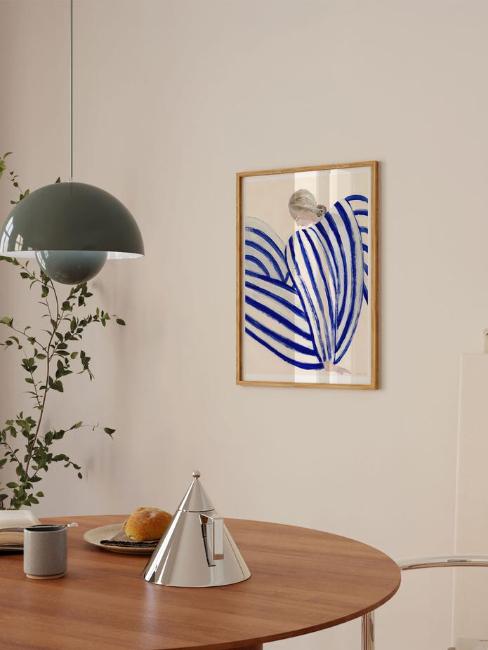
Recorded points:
(71,93)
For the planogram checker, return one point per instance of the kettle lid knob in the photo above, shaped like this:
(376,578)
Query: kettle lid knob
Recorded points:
(195,499)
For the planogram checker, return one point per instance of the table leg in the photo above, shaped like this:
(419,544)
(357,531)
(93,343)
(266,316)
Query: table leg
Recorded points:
(367,632)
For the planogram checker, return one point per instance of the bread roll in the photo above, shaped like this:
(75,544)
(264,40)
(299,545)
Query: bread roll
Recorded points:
(146,524)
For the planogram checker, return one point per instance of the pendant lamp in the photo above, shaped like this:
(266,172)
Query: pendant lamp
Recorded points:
(71,228)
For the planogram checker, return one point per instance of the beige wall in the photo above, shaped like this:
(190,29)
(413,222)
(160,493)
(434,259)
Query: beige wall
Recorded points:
(172,98)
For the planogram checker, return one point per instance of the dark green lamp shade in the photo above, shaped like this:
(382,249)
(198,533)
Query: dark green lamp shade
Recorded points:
(72,228)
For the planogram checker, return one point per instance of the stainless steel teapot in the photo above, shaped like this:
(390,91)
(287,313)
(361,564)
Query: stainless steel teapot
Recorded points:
(197,550)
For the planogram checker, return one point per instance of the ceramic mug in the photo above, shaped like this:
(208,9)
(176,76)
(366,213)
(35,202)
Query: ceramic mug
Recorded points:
(45,551)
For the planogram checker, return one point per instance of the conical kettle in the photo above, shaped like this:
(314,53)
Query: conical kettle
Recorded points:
(197,550)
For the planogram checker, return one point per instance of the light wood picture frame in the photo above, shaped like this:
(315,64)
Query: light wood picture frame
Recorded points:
(307,276)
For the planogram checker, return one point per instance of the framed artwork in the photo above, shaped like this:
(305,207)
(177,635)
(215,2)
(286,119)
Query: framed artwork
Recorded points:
(307,269)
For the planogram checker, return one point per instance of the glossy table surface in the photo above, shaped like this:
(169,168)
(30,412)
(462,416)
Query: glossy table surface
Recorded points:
(302,581)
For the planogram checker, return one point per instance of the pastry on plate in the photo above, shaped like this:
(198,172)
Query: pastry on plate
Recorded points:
(146,524)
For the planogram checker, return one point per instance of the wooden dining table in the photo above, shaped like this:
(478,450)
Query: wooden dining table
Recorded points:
(302,581)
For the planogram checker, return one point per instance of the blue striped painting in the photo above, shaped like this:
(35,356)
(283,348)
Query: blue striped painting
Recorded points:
(303,299)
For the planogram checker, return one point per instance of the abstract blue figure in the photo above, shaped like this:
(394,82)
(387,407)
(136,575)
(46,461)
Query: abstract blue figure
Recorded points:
(303,300)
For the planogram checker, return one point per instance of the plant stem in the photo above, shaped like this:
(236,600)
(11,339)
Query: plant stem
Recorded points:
(46,385)
(36,392)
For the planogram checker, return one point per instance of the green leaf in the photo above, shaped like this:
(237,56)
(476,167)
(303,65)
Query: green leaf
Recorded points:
(80,475)
(12,485)
(6,320)
(29,364)
(56,385)
(44,291)
(120,321)
(109,431)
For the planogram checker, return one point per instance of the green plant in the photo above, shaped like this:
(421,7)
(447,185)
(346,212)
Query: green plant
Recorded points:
(47,358)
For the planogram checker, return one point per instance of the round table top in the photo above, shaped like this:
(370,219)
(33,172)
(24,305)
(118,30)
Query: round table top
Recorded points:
(302,581)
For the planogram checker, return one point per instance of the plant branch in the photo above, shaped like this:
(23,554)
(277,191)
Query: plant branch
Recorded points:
(30,339)
(66,330)
(46,391)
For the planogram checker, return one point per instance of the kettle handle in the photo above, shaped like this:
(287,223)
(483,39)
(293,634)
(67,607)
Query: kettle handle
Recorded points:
(213,527)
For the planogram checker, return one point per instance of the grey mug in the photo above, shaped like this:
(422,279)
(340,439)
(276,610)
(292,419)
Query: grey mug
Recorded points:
(45,551)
